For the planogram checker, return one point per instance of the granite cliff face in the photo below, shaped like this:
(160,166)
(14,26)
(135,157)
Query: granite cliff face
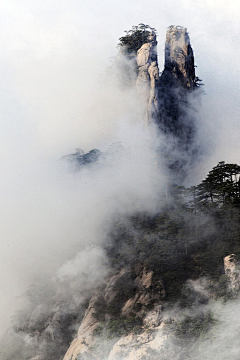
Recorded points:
(126,319)
(167,95)
(163,92)
(156,334)
(148,76)
(177,81)
(114,305)
(179,59)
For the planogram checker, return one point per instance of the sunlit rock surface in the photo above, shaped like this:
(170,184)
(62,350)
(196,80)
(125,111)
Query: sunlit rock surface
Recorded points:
(143,346)
(85,339)
(179,59)
(232,270)
(148,75)
(146,304)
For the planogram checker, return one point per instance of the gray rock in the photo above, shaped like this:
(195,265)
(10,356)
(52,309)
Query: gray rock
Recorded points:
(179,57)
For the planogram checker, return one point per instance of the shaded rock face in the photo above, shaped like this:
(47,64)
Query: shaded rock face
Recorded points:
(167,95)
(179,59)
(175,82)
(176,118)
(148,76)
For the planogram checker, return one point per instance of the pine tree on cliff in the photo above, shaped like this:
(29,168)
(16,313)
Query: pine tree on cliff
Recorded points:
(131,42)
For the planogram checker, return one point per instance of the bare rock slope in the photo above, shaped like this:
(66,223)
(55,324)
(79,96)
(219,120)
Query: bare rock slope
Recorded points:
(142,305)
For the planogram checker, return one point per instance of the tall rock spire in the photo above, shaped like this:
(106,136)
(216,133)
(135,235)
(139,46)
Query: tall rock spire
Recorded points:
(176,81)
(174,116)
(179,59)
(148,75)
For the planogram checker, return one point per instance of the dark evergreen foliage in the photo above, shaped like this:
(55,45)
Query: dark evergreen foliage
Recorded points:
(134,39)
(191,235)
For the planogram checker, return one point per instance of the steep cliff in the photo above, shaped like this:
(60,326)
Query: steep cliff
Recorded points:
(176,83)
(158,331)
(168,94)
(121,307)
(165,93)
(148,76)
(179,59)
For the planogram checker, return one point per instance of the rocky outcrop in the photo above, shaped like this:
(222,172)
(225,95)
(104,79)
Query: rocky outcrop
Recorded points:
(149,291)
(148,345)
(148,76)
(179,59)
(177,79)
(232,270)
(166,96)
(145,304)
(179,71)
(85,338)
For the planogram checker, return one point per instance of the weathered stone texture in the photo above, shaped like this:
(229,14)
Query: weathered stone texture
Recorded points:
(232,270)
(148,75)
(179,57)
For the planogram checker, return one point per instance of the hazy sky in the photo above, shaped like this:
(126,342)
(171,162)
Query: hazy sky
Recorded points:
(53,54)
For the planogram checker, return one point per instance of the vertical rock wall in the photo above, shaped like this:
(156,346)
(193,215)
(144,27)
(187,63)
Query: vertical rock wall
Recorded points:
(148,76)
(179,59)
(176,81)
(232,270)
(163,94)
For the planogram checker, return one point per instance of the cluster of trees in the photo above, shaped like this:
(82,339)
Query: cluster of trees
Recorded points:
(221,186)
(189,238)
(133,39)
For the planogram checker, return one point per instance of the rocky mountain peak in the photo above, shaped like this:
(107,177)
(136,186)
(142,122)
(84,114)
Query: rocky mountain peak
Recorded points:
(179,57)
(148,75)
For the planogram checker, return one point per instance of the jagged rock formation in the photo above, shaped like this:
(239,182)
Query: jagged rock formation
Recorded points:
(179,59)
(147,292)
(148,75)
(179,71)
(232,270)
(85,338)
(144,345)
(167,95)
(177,79)
(156,336)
